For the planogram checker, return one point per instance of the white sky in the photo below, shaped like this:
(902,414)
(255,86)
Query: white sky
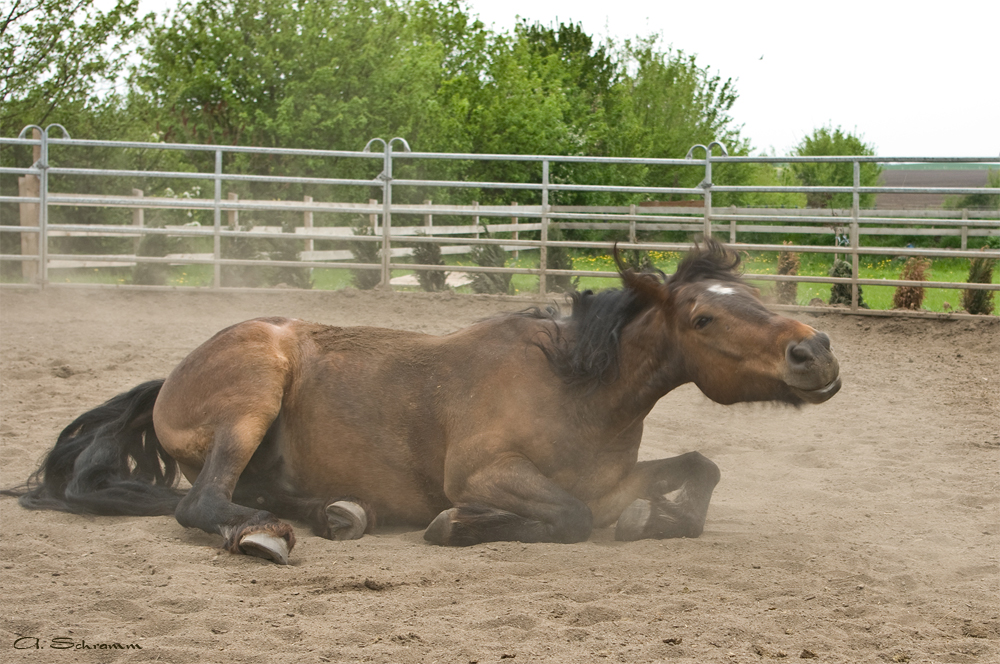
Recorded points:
(914,78)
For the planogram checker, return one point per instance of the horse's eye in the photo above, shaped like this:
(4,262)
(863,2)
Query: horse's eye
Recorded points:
(702,322)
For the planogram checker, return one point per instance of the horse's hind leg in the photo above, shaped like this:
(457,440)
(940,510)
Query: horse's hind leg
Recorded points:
(213,412)
(642,509)
(344,518)
(208,505)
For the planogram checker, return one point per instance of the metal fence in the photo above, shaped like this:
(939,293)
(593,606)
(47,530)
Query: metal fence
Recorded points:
(527,227)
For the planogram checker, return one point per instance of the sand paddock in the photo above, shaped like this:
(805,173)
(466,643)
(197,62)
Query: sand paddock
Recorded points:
(864,529)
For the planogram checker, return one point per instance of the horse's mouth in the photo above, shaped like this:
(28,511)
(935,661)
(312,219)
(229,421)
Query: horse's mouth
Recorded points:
(819,395)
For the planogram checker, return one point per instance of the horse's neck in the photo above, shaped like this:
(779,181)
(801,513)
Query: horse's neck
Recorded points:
(648,369)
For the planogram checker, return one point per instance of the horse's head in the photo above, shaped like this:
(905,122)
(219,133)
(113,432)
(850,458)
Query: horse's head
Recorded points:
(732,347)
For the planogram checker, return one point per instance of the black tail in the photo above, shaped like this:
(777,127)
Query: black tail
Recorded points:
(108,461)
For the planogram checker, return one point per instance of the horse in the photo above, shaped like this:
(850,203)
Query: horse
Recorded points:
(522,427)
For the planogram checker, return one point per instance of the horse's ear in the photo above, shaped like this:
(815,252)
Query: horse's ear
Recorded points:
(648,286)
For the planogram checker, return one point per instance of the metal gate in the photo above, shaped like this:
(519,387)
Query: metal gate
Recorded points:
(37,198)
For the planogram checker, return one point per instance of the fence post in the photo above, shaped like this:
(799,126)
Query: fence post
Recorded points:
(43,208)
(29,186)
(138,219)
(217,223)
(707,186)
(631,224)
(965,229)
(732,225)
(543,251)
(233,216)
(373,218)
(855,213)
(428,218)
(475,218)
(307,222)
(386,216)
(517,235)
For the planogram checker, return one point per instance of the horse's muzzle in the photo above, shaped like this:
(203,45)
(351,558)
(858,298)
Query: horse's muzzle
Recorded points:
(811,370)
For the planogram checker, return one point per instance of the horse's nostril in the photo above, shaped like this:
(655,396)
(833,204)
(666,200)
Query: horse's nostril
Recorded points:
(799,353)
(824,339)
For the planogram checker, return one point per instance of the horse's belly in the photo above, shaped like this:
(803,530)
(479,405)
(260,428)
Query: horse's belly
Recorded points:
(339,462)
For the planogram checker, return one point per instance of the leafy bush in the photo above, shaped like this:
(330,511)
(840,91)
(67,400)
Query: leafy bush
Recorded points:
(559,258)
(256,248)
(429,253)
(786,292)
(152,274)
(979,301)
(365,252)
(490,255)
(911,297)
(637,260)
(841,293)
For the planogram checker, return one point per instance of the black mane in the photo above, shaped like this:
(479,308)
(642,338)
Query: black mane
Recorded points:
(586,351)
(710,262)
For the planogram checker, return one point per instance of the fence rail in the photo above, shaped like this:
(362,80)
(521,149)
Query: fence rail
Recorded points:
(538,220)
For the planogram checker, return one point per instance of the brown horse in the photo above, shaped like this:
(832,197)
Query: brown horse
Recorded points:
(521,427)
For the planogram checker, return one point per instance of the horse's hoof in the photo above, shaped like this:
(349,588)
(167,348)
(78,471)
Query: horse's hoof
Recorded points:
(266,546)
(633,521)
(439,531)
(346,520)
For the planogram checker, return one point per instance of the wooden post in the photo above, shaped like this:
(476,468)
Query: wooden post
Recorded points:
(29,186)
(543,251)
(631,224)
(475,219)
(517,235)
(428,218)
(855,239)
(233,216)
(138,219)
(965,229)
(732,225)
(307,222)
(373,217)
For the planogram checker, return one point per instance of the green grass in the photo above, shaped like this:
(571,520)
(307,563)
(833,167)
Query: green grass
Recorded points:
(871,267)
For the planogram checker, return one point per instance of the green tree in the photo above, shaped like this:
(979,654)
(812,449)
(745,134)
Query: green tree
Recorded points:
(675,102)
(663,103)
(329,75)
(587,74)
(827,141)
(57,56)
(311,74)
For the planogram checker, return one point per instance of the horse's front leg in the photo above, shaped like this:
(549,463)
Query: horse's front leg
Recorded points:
(509,500)
(641,508)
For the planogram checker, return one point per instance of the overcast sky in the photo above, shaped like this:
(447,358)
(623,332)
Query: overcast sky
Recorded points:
(914,78)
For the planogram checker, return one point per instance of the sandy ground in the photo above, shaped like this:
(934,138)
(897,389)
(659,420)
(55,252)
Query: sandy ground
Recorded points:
(865,529)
